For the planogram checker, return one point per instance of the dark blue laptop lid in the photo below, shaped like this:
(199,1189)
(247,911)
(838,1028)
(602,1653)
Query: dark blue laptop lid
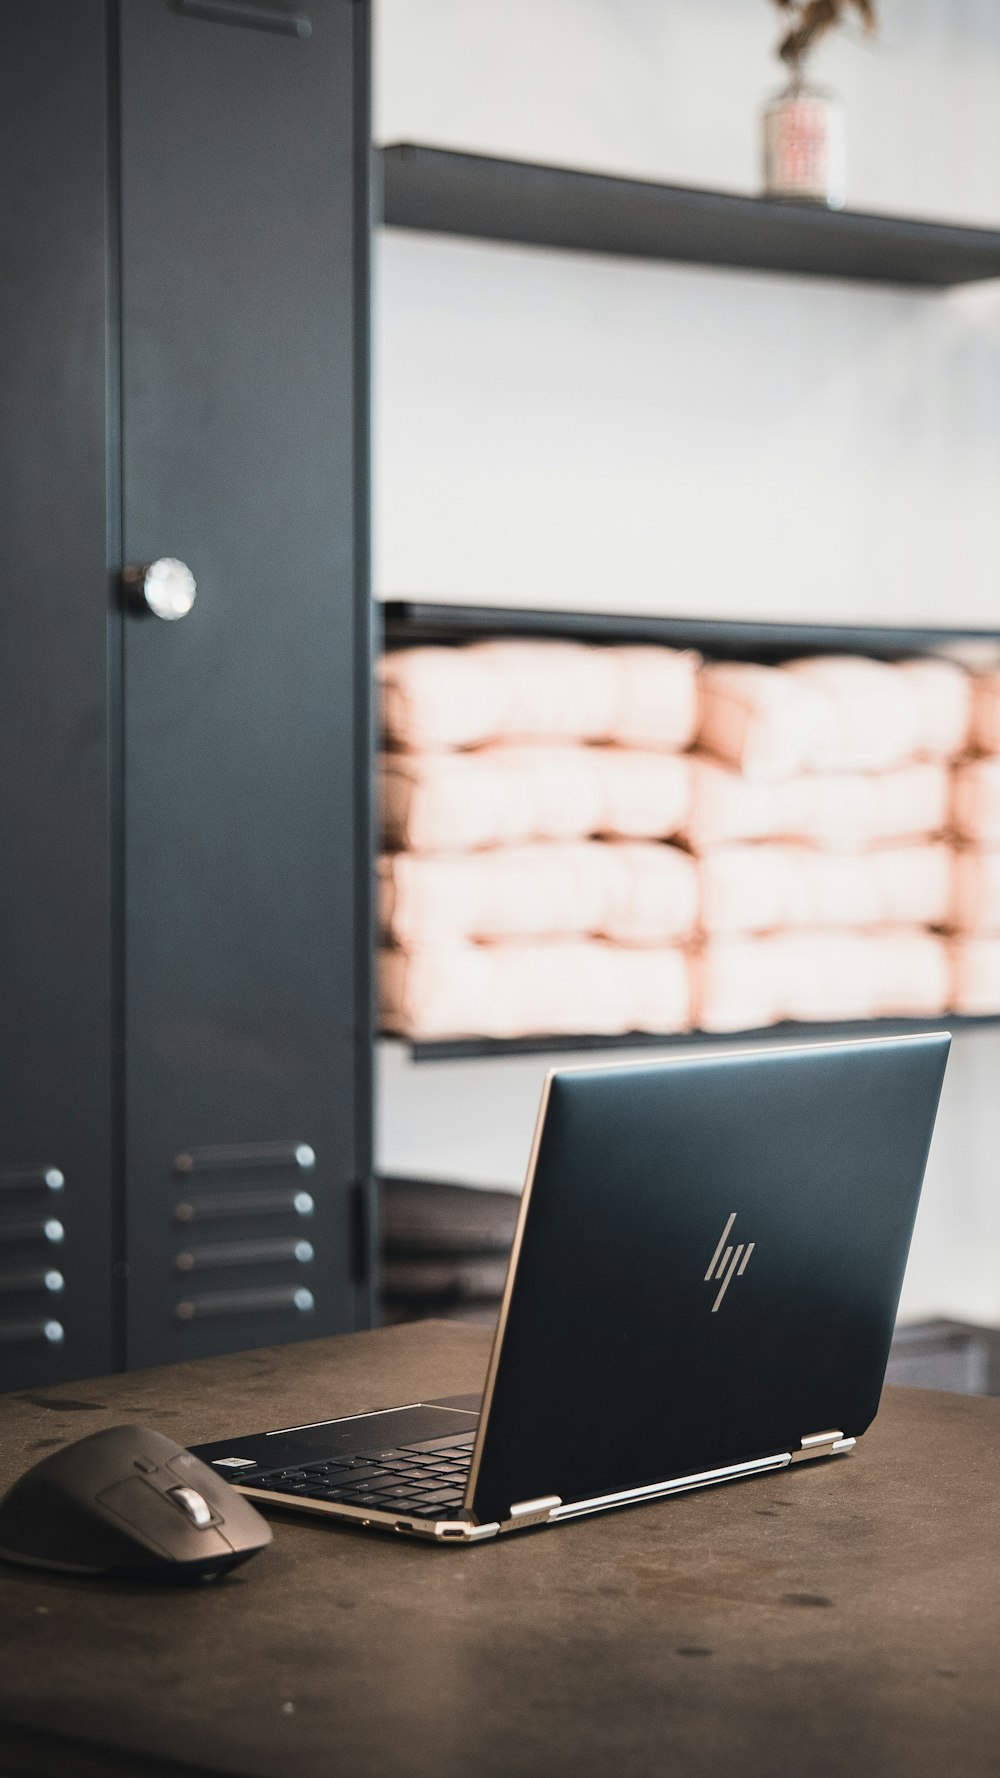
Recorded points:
(708,1264)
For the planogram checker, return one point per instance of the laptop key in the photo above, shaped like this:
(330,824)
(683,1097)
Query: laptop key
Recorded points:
(438,1444)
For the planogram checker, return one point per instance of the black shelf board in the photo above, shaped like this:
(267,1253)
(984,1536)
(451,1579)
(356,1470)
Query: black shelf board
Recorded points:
(487,198)
(461,1049)
(407,622)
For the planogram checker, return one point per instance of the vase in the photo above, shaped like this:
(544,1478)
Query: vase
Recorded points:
(805,144)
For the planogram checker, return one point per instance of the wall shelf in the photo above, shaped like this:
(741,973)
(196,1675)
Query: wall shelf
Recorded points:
(462,1049)
(412,621)
(490,199)
(417,622)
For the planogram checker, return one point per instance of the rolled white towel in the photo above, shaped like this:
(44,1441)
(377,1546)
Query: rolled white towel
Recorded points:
(942,692)
(871,715)
(509,794)
(833,713)
(975,801)
(985,720)
(831,809)
(767,886)
(975,904)
(630,893)
(529,990)
(762,721)
(509,690)
(742,983)
(975,983)
(658,697)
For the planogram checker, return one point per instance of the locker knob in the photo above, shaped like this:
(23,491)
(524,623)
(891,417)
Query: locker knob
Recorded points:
(165,587)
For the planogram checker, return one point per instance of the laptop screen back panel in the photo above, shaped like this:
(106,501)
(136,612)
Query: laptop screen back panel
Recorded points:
(708,1265)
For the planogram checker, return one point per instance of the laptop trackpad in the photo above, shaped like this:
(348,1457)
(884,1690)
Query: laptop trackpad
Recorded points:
(375,1432)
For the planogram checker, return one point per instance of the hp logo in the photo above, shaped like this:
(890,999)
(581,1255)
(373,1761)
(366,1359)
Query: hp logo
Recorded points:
(727,1260)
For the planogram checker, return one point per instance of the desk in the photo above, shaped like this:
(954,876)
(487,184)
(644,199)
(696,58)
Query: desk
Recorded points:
(839,1618)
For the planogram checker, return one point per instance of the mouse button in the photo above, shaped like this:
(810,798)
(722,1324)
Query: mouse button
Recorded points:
(187,1472)
(40,1522)
(195,1506)
(191,1472)
(155,1519)
(245,1527)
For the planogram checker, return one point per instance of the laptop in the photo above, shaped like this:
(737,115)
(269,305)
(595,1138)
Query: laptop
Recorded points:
(702,1287)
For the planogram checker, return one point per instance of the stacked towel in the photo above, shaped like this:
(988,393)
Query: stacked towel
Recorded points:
(833,713)
(831,809)
(507,794)
(775,887)
(612,839)
(747,982)
(544,989)
(528,792)
(629,894)
(820,804)
(975,812)
(556,691)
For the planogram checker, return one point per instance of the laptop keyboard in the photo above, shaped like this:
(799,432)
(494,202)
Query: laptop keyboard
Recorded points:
(427,1479)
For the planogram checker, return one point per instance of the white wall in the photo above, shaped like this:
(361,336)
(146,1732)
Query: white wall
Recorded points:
(565,429)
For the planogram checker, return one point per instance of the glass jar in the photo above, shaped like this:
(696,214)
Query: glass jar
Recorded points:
(805,145)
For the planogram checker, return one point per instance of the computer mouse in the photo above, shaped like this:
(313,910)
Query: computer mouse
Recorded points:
(130,1501)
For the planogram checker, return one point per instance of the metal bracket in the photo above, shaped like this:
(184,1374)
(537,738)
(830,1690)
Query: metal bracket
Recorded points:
(822,1444)
(533,1512)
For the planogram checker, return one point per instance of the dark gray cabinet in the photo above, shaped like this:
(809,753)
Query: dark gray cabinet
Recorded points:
(184,949)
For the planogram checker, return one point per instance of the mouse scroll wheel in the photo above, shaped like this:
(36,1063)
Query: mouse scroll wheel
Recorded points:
(194,1505)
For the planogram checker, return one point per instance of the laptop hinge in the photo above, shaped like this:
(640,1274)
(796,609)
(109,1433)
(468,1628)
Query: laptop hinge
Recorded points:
(822,1444)
(533,1512)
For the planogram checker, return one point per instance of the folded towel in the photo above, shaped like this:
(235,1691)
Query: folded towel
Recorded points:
(975,964)
(545,690)
(975,800)
(984,734)
(658,697)
(759,888)
(632,894)
(745,983)
(976,891)
(524,990)
(943,696)
(845,811)
(762,720)
(881,713)
(509,794)
(832,713)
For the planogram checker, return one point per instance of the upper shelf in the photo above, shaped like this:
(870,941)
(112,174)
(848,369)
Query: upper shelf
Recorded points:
(405,622)
(539,206)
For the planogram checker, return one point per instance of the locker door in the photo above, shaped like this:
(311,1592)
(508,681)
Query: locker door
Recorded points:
(56,755)
(244,152)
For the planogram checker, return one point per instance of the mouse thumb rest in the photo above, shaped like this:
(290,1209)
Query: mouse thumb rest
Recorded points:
(128,1500)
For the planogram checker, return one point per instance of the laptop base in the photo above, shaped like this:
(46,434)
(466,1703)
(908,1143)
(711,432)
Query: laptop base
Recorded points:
(309,1469)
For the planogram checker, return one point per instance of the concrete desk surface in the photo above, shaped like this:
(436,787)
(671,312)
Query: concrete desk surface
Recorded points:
(839,1618)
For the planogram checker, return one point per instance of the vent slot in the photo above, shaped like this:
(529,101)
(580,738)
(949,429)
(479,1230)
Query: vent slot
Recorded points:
(31,1278)
(32,1333)
(260,1203)
(278,19)
(244,1253)
(34,1178)
(270,1157)
(37,1228)
(245,1302)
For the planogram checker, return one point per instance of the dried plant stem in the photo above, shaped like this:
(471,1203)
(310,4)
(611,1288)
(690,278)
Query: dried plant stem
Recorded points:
(811,19)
